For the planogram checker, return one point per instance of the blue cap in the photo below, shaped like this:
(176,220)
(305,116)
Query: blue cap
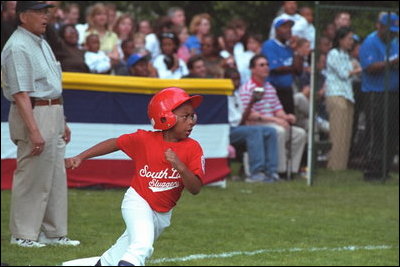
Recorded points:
(280,22)
(133,59)
(392,22)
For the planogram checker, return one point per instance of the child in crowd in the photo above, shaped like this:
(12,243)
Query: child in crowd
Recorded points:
(165,162)
(97,61)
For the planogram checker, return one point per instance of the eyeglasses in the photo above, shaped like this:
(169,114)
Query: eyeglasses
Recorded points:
(184,118)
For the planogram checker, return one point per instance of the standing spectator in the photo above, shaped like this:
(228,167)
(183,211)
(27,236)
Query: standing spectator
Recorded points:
(199,27)
(309,30)
(112,15)
(260,141)
(31,79)
(329,31)
(97,60)
(168,65)
(377,66)
(269,111)
(177,16)
(340,98)
(284,62)
(71,56)
(240,26)
(229,40)
(197,68)
(8,20)
(300,24)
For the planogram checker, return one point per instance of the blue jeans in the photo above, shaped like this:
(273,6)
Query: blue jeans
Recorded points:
(261,144)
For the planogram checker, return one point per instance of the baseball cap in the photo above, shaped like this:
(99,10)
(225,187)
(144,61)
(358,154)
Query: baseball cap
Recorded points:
(26,5)
(390,20)
(280,22)
(134,58)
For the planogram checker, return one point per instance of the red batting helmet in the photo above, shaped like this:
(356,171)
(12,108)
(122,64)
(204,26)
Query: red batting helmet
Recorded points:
(164,102)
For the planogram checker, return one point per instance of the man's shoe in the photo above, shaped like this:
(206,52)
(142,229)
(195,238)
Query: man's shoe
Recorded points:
(26,243)
(64,241)
(256,178)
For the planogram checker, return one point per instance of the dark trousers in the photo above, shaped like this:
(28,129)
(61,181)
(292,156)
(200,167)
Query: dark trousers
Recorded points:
(378,154)
(285,95)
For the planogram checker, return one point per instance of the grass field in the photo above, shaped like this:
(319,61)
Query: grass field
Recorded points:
(341,220)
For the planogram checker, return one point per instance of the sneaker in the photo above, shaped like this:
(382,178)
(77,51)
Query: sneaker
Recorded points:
(275,176)
(64,241)
(256,178)
(26,243)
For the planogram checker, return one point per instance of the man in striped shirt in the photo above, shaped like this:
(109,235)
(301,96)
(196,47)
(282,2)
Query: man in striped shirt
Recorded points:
(269,111)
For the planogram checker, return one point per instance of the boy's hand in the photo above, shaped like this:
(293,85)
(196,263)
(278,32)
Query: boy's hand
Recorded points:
(72,162)
(172,158)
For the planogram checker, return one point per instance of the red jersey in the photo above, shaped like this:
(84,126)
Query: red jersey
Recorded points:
(154,178)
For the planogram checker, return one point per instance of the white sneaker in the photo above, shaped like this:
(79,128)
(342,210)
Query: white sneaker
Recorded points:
(64,241)
(26,243)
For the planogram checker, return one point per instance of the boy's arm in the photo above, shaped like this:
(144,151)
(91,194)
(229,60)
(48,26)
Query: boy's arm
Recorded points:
(102,148)
(191,182)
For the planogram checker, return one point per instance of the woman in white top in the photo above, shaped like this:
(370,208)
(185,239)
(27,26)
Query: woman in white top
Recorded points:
(168,65)
(339,97)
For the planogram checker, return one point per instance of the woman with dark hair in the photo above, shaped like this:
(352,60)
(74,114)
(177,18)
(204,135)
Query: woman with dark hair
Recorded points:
(340,97)
(168,65)
(71,56)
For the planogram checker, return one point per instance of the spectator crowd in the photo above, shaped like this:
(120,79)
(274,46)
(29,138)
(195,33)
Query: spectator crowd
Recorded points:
(115,43)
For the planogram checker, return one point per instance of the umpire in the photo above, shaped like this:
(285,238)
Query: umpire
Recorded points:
(31,80)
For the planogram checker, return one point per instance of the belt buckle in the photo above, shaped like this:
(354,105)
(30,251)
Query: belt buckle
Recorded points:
(49,100)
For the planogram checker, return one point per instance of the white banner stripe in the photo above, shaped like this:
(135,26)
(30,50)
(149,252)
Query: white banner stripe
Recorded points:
(213,138)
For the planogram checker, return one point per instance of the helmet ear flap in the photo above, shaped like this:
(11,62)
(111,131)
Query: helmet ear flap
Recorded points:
(167,120)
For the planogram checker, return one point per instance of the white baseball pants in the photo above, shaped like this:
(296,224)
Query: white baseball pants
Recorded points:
(143,227)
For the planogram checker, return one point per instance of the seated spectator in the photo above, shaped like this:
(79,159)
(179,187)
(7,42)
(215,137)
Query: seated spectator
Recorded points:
(97,60)
(138,65)
(70,56)
(98,20)
(253,45)
(177,16)
(199,27)
(183,51)
(139,41)
(196,67)
(260,141)
(71,14)
(125,28)
(269,111)
(240,27)
(168,65)
(302,107)
(212,60)
(128,48)
(151,41)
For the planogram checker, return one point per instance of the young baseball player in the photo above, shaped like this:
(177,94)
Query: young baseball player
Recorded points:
(165,162)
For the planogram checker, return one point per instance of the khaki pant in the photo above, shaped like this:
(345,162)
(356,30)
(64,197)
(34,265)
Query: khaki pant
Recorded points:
(341,113)
(39,189)
(298,140)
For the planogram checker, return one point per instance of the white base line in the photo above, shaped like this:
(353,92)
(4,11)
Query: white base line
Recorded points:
(261,251)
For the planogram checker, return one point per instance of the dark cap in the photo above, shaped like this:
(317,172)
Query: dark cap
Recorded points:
(26,5)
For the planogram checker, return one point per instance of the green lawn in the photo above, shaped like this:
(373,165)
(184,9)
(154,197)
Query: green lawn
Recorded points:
(286,223)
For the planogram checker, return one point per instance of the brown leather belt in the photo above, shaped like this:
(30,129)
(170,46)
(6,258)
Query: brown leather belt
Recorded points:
(45,102)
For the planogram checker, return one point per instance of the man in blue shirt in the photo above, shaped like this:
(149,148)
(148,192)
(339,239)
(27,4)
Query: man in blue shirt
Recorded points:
(284,63)
(379,56)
